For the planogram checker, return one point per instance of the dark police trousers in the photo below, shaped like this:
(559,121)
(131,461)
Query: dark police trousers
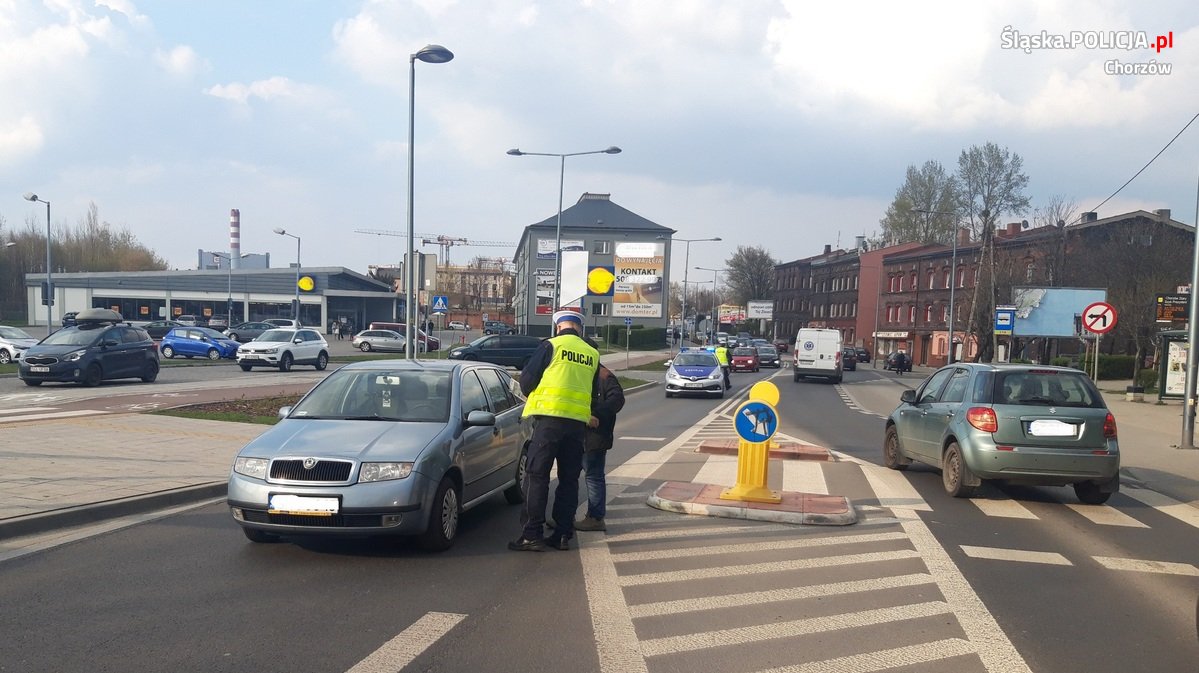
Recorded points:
(558,439)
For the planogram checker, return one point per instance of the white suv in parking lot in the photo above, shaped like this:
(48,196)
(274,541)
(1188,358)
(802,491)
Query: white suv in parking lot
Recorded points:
(283,348)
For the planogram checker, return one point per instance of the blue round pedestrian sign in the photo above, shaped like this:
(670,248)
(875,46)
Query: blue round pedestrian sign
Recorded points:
(756,421)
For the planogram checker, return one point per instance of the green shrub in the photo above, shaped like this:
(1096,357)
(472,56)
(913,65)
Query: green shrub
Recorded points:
(1147,379)
(1111,366)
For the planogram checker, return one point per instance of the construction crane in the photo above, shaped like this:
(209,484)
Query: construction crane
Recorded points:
(446,242)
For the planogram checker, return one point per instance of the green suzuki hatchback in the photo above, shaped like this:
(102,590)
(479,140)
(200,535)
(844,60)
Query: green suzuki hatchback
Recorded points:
(1026,424)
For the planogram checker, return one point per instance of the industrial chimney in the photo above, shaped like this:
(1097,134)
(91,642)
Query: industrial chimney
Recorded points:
(235,239)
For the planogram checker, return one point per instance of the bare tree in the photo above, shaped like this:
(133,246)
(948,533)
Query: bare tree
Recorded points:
(1058,211)
(992,185)
(917,212)
(749,274)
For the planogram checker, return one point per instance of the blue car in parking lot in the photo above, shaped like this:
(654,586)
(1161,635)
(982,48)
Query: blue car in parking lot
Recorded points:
(197,342)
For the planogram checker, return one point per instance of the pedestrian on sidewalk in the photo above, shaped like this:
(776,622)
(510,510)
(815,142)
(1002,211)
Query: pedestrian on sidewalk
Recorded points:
(559,383)
(601,430)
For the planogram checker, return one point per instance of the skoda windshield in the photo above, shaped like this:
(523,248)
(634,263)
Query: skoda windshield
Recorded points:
(374,395)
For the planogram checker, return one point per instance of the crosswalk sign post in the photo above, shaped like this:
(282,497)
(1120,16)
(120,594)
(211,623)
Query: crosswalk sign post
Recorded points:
(441,303)
(755,421)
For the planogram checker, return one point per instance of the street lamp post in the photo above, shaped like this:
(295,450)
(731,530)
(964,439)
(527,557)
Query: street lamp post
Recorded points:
(229,286)
(432,53)
(283,232)
(561,184)
(953,277)
(713,318)
(49,294)
(686,265)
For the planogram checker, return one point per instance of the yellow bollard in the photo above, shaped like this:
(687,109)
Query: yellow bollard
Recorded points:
(756,421)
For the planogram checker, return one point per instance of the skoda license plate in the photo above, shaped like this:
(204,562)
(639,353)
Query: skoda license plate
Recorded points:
(298,504)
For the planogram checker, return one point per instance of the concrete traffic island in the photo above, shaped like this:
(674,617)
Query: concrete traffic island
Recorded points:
(810,509)
(778,450)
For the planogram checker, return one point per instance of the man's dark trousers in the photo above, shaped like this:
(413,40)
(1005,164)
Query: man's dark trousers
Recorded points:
(558,439)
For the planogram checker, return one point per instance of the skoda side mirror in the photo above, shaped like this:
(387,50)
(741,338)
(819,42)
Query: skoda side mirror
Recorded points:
(908,396)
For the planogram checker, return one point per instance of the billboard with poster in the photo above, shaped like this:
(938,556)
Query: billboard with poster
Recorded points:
(640,271)
(545,291)
(1051,311)
(545,247)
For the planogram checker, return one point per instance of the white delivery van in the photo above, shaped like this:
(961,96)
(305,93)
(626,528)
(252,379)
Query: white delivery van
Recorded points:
(818,353)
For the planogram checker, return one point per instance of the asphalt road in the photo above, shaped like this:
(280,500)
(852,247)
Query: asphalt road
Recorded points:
(911,586)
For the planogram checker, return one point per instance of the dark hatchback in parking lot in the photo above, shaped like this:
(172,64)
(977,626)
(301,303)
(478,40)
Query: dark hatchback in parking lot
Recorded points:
(511,350)
(99,347)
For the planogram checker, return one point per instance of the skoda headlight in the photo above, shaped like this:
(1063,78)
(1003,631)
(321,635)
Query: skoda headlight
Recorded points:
(383,471)
(251,467)
(74,355)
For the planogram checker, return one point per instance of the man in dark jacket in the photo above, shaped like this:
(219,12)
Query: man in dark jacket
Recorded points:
(605,404)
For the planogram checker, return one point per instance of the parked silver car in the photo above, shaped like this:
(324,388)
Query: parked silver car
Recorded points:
(378,340)
(1030,424)
(387,447)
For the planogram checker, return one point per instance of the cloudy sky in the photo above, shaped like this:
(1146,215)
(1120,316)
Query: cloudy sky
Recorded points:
(779,123)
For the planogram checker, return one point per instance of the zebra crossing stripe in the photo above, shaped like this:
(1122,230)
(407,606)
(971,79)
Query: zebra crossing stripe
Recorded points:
(777,595)
(1166,505)
(410,643)
(697,530)
(766,567)
(1106,515)
(1162,567)
(893,489)
(1023,556)
(715,550)
(791,629)
(804,476)
(1008,509)
(615,637)
(884,660)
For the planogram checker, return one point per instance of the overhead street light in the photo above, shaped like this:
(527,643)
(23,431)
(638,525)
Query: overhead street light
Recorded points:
(283,232)
(48,294)
(433,53)
(953,278)
(561,184)
(686,266)
(714,318)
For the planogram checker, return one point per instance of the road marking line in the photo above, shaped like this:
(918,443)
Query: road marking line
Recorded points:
(741,569)
(25,410)
(715,550)
(884,660)
(409,643)
(1166,505)
(893,489)
(1008,509)
(776,595)
(636,506)
(996,554)
(1106,515)
(981,629)
(718,469)
(638,468)
(672,517)
(1137,565)
(60,414)
(643,439)
(805,476)
(615,637)
(790,629)
(698,531)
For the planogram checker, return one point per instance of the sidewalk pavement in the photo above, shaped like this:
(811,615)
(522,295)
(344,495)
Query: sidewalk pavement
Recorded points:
(71,471)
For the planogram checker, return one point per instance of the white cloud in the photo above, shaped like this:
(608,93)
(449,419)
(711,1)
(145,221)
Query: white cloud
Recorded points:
(126,8)
(182,61)
(267,90)
(20,139)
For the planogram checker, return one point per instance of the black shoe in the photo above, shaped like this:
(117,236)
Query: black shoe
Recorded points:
(558,542)
(521,544)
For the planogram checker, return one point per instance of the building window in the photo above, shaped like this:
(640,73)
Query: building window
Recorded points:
(1030,269)
(945,313)
(599,308)
(912,281)
(961,276)
(603,248)
(928,313)
(853,310)
(912,314)
(945,278)
(931,276)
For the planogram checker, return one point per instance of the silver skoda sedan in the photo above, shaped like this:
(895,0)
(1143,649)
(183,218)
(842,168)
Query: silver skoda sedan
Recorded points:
(389,447)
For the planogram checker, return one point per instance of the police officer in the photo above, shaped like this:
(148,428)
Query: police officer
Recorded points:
(559,382)
(722,356)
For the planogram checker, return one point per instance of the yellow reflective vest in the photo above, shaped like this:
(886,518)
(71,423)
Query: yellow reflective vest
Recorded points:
(565,387)
(722,356)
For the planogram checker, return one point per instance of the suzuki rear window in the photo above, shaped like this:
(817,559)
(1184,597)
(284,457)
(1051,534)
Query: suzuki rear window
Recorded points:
(1047,387)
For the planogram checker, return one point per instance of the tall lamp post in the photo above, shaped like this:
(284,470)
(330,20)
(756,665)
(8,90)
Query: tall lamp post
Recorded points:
(283,232)
(229,291)
(48,296)
(432,53)
(686,267)
(953,276)
(561,184)
(715,320)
